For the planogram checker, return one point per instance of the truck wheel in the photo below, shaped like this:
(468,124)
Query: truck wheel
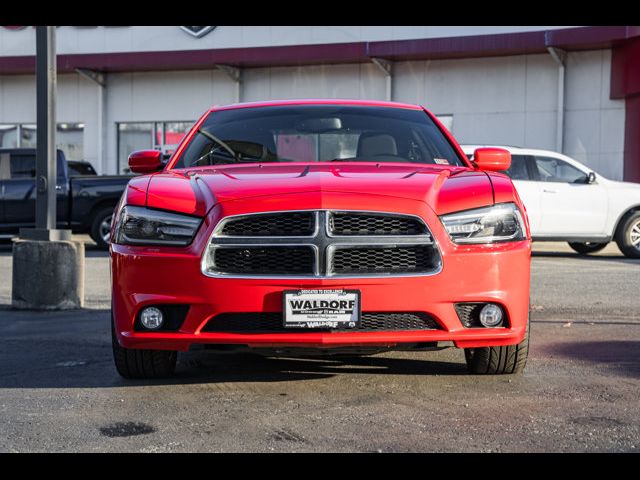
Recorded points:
(498,360)
(101,227)
(135,363)
(587,247)
(628,235)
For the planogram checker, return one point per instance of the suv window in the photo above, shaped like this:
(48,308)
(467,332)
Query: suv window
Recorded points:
(80,168)
(555,170)
(518,169)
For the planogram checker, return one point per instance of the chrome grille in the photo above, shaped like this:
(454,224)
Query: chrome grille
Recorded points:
(321,244)
(362,223)
(296,224)
(388,259)
(264,260)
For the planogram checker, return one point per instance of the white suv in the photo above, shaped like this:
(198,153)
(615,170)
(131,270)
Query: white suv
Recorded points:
(567,201)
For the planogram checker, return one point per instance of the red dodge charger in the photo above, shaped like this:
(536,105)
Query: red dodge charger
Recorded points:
(324,226)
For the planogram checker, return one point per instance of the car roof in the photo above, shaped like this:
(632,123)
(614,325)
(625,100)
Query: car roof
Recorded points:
(317,101)
(21,150)
(469,148)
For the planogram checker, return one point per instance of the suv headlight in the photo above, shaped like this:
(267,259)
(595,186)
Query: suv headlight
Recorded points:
(500,223)
(144,226)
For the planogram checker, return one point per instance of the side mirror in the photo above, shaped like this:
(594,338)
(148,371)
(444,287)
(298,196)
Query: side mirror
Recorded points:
(145,161)
(493,159)
(591,178)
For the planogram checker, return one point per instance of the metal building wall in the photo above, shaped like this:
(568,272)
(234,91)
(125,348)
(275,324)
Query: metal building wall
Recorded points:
(508,100)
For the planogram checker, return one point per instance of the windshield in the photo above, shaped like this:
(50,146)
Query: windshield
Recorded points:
(318,133)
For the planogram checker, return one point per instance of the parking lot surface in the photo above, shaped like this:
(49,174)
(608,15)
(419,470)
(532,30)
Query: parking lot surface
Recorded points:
(59,390)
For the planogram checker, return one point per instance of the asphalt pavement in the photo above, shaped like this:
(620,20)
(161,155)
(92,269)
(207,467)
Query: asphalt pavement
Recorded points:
(59,391)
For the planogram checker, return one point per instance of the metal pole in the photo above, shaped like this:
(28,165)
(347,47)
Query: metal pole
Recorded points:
(45,248)
(46,127)
(46,161)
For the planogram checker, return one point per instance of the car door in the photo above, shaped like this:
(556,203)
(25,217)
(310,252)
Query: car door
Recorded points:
(5,172)
(570,206)
(522,175)
(20,192)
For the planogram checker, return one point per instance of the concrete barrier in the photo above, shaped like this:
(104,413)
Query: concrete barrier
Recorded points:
(48,275)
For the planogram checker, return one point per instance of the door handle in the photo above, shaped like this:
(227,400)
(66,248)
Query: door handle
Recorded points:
(545,190)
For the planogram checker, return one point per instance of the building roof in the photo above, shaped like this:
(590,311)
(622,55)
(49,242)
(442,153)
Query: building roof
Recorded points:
(515,43)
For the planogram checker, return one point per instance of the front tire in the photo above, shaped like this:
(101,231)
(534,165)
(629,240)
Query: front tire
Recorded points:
(628,235)
(135,363)
(101,227)
(498,360)
(584,248)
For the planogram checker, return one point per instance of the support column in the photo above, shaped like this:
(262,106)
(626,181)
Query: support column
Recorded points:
(625,84)
(387,68)
(46,164)
(99,79)
(48,268)
(560,56)
(235,74)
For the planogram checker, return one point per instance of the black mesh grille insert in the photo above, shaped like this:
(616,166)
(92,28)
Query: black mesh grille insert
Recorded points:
(383,260)
(264,260)
(286,224)
(350,223)
(272,323)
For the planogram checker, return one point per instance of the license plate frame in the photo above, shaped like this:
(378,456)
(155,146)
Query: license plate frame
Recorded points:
(317,308)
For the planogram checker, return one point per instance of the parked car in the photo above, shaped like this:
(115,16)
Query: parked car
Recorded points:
(567,201)
(84,204)
(79,168)
(324,226)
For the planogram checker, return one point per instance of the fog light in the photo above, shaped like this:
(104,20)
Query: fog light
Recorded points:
(491,315)
(151,318)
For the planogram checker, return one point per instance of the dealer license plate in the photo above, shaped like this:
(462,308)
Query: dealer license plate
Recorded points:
(339,309)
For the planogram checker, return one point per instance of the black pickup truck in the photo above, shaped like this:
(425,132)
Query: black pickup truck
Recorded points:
(85,203)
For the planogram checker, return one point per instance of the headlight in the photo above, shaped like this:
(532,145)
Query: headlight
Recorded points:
(500,223)
(143,226)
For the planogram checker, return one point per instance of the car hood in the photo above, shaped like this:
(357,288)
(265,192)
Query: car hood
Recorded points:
(195,191)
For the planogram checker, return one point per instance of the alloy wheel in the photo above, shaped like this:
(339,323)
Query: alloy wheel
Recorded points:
(105,228)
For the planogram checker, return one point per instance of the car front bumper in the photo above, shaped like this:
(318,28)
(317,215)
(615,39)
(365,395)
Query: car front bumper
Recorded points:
(498,273)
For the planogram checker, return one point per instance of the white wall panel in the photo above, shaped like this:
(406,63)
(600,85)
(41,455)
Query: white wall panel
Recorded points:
(509,100)
(611,165)
(584,80)
(490,128)
(612,130)
(476,85)
(540,130)
(582,134)
(18,99)
(319,81)
(594,124)
(174,95)
(541,88)
(409,82)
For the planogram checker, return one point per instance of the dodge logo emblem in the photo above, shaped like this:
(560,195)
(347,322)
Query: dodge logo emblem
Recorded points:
(197,31)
